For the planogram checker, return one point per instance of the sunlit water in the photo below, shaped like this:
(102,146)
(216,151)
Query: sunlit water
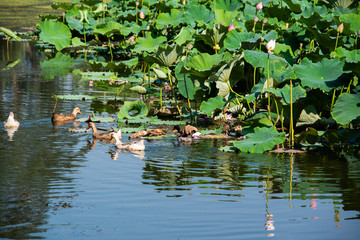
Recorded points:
(59,185)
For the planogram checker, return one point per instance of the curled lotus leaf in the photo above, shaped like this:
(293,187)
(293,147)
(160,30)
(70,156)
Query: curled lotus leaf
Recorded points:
(138,108)
(9,33)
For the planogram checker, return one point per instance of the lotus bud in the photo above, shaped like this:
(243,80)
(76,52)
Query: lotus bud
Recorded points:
(256,19)
(137,4)
(262,39)
(142,16)
(301,45)
(264,20)
(287,25)
(259,6)
(340,28)
(270,46)
(231,27)
(184,2)
(189,46)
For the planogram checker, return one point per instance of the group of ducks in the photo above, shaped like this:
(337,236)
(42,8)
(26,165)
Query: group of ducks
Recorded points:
(60,118)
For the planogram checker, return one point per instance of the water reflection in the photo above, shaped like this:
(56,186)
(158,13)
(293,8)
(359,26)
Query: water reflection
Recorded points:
(11,132)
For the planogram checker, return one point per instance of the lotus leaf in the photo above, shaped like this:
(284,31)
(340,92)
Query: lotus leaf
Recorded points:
(108,28)
(228,5)
(75,97)
(350,56)
(130,28)
(346,108)
(233,39)
(11,64)
(184,36)
(173,18)
(308,116)
(139,89)
(138,107)
(209,106)
(295,5)
(323,75)
(76,42)
(149,43)
(198,13)
(160,74)
(55,33)
(352,19)
(203,63)
(261,140)
(94,118)
(9,33)
(310,136)
(165,56)
(97,76)
(185,84)
(225,17)
(284,93)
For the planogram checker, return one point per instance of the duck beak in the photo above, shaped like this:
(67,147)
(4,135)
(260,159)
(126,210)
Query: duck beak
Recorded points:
(88,127)
(80,112)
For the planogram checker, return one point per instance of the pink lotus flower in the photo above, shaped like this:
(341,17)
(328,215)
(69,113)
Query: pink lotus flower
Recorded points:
(256,19)
(259,6)
(231,27)
(270,46)
(340,28)
(142,15)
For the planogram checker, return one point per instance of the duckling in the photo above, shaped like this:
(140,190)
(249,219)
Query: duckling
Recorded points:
(11,122)
(60,117)
(97,135)
(133,146)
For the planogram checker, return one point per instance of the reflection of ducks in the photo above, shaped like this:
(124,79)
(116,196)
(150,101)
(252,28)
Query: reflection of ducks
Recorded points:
(11,122)
(133,146)
(187,134)
(97,135)
(11,132)
(61,117)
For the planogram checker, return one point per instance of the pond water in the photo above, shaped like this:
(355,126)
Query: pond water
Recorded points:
(60,185)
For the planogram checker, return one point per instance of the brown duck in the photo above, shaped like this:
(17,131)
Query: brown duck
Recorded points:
(102,136)
(61,117)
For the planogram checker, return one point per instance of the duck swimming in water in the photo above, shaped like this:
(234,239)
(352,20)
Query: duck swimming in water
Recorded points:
(133,146)
(61,117)
(11,122)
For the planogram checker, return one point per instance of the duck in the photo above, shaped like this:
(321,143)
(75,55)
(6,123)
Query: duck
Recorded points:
(133,146)
(61,117)
(104,135)
(187,134)
(11,122)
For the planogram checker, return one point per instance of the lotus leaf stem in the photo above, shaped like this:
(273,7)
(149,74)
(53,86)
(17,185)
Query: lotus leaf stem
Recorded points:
(277,112)
(112,57)
(332,101)
(282,120)
(336,43)
(348,89)
(291,128)
(268,83)
(254,76)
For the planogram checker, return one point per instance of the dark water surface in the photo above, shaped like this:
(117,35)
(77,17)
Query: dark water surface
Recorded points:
(57,185)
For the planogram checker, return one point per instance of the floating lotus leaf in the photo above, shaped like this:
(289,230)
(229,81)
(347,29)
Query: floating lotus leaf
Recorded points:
(352,56)
(9,33)
(210,105)
(138,107)
(156,121)
(261,140)
(97,76)
(97,119)
(352,19)
(228,149)
(173,18)
(75,97)
(11,64)
(108,28)
(198,13)
(323,75)
(58,66)
(346,108)
(55,33)
(284,93)
(184,36)
(149,43)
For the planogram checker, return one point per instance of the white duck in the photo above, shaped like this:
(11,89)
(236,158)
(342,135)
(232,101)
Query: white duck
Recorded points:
(133,146)
(11,122)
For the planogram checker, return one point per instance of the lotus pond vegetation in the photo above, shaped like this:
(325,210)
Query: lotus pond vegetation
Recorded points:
(286,71)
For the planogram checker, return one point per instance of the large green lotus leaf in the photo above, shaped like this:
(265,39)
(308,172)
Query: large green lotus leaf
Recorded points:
(225,17)
(210,105)
(198,13)
(202,64)
(352,19)
(75,97)
(148,43)
(261,140)
(212,36)
(108,28)
(346,108)
(227,5)
(76,42)
(9,33)
(173,18)
(233,39)
(294,5)
(138,108)
(58,66)
(185,84)
(132,27)
(184,36)
(165,56)
(284,93)
(285,51)
(55,33)
(352,56)
(323,75)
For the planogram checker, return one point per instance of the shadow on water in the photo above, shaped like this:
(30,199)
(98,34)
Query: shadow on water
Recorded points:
(171,190)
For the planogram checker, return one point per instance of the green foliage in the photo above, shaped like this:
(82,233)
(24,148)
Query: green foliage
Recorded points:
(55,33)
(346,108)
(261,140)
(133,110)
(9,33)
(209,106)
